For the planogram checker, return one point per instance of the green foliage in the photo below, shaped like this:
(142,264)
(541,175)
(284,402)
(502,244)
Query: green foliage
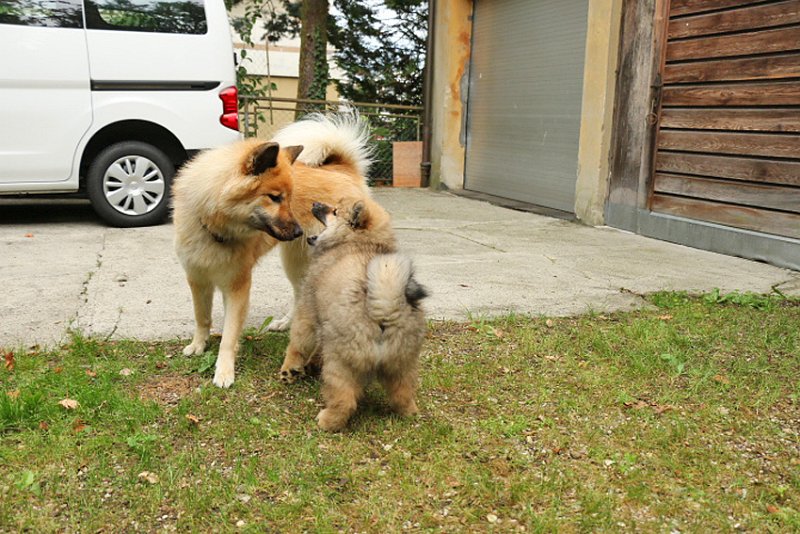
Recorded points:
(380,46)
(319,87)
(746,299)
(206,363)
(142,444)
(26,481)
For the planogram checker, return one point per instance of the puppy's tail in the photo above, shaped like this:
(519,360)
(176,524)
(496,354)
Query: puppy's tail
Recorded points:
(333,138)
(391,288)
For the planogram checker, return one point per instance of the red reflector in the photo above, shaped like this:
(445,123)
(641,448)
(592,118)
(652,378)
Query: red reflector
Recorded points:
(230,120)
(230,106)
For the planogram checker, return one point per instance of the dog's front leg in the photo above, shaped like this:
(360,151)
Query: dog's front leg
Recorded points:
(302,344)
(202,299)
(294,257)
(237,301)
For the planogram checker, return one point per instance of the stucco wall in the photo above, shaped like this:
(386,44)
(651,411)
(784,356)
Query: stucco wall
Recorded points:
(451,60)
(599,80)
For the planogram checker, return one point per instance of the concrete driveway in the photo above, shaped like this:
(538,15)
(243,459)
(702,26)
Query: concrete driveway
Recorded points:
(61,269)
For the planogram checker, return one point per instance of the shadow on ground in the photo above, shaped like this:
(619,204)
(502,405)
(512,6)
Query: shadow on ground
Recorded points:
(47,211)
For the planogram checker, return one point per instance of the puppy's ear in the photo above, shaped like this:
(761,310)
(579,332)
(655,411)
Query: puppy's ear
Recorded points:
(264,157)
(359,215)
(293,152)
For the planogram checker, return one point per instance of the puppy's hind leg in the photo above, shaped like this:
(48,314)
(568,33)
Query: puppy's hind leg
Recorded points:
(341,390)
(202,299)
(237,301)
(401,388)
(294,257)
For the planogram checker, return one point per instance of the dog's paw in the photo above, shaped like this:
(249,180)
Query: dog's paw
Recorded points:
(194,348)
(281,325)
(330,421)
(224,376)
(289,375)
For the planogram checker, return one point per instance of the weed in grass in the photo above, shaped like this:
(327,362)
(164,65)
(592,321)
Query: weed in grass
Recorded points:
(747,299)
(206,363)
(142,444)
(26,482)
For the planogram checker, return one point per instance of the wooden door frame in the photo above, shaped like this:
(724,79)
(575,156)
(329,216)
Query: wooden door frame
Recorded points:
(642,55)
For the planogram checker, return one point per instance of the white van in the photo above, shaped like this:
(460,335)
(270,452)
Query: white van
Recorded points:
(109,97)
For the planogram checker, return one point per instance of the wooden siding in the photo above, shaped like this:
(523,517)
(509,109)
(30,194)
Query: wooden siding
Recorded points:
(728,144)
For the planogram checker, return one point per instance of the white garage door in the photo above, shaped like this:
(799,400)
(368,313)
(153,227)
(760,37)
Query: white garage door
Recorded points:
(524,102)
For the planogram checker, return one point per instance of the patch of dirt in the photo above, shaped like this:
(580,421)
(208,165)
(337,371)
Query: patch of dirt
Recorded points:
(168,390)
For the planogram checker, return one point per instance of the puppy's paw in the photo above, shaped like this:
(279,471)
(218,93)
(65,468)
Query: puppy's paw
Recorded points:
(194,348)
(407,410)
(281,325)
(330,421)
(289,375)
(224,376)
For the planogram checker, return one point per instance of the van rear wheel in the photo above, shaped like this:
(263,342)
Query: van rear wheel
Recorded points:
(129,184)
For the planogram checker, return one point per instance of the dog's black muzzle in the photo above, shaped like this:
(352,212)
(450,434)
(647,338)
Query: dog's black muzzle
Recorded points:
(278,229)
(320,211)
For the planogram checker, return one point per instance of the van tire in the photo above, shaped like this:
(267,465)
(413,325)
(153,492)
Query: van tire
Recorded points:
(129,184)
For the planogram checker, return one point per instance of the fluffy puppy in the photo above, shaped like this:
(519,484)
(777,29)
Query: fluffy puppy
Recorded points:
(359,310)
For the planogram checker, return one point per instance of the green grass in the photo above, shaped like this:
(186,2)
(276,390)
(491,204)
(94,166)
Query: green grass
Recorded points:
(684,417)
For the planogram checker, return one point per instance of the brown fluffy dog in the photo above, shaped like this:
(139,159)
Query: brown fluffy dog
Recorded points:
(359,310)
(235,203)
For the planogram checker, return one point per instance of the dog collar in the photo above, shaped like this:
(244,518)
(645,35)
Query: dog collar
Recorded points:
(218,238)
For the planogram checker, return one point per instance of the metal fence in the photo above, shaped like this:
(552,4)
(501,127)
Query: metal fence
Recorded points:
(263,116)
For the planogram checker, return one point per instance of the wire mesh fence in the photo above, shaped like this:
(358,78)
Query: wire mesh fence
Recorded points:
(263,116)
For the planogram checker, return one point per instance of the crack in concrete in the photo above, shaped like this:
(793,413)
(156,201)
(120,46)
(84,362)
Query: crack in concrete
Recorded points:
(491,247)
(452,233)
(83,297)
(791,286)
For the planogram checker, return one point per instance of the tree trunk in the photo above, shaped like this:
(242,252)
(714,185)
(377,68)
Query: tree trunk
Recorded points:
(312,80)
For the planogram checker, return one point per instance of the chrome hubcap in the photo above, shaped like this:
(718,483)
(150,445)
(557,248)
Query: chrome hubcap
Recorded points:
(133,185)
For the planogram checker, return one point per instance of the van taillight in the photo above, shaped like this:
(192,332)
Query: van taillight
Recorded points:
(230,106)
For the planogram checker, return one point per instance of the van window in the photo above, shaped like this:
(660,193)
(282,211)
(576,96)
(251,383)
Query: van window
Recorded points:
(49,13)
(163,16)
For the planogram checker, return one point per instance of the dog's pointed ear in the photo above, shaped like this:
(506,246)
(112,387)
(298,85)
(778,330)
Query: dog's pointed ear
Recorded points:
(264,157)
(359,215)
(293,152)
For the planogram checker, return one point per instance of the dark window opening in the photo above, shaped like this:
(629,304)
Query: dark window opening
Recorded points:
(161,16)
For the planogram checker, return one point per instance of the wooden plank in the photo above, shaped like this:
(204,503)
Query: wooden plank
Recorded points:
(733,168)
(747,18)
(751,144)
(740,44)
(687,7)
(758,68)
(752,94)
(633,101)
(755,120)
(756,195)
(760,220)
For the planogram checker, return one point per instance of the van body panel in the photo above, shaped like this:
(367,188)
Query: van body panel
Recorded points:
(177,111)
(44,86)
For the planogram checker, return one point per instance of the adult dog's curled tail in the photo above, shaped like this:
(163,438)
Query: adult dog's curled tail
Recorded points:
(329,138)
(391,288)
